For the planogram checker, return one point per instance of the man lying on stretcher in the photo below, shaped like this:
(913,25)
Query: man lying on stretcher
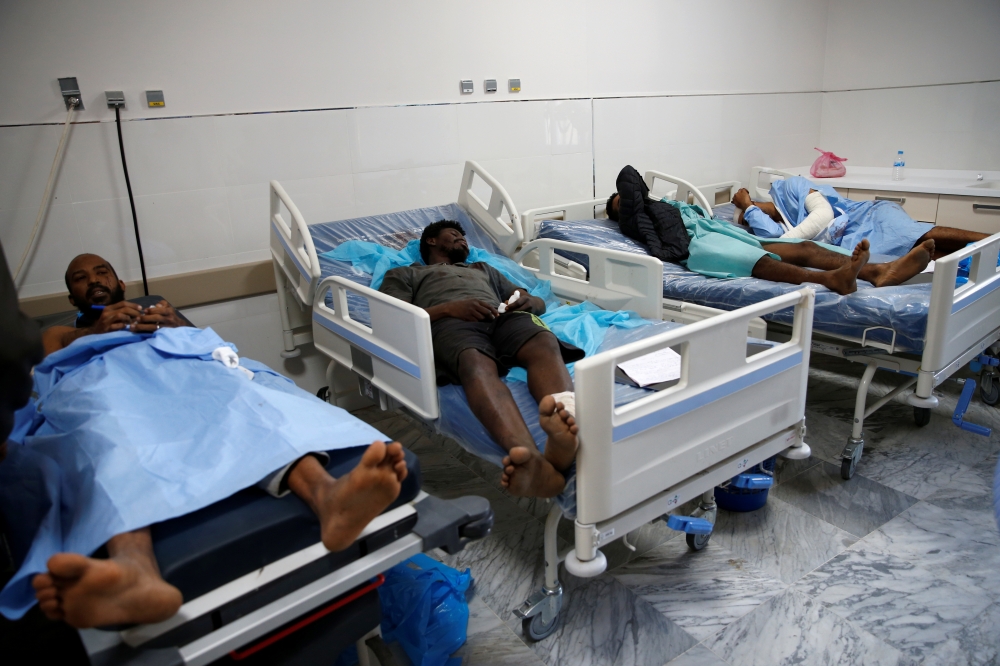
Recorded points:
(680,233)
(132,428)
(482,325)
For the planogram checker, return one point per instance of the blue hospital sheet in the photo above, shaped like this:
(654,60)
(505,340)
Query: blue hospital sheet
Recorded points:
(902,308)
(130,430)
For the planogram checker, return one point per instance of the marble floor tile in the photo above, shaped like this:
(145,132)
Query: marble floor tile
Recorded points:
(976,495)
(779,539)
(858,506)
(905,605)
(786,469)
(491,643)
(792,628)
(977,644)
(699,655)
(959,543)
(703,591)
(603,622)
(644,539)
(919,473)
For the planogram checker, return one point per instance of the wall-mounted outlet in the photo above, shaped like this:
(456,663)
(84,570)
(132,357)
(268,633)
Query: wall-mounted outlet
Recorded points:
(116,99)
(70,90)
(514,85)
(490,85)
(466,87)
(154,98)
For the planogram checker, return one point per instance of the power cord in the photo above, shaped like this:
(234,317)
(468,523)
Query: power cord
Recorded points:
(131,200)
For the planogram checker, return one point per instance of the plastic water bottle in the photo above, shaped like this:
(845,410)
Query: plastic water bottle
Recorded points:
(897,166)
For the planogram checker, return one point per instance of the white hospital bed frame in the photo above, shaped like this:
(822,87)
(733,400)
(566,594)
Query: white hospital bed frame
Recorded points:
(962,322)
(636,462)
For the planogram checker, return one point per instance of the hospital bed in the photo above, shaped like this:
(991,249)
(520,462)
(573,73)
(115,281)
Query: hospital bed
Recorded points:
(261,587)
(927,332)
(642,453)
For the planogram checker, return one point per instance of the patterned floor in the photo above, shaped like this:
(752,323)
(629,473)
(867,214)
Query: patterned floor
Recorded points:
(900,565)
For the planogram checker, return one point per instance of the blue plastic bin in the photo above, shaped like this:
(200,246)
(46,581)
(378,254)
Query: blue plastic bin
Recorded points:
(732,498)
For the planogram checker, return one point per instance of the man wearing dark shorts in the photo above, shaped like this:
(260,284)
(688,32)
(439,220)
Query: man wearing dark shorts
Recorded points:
(475,345)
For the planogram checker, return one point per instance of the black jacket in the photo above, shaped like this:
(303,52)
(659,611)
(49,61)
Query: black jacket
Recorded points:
(655,224)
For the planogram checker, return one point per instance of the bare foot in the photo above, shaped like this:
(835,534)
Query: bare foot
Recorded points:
(742,199)
(346,505)
(526,473)
(901,270)
(844,280)
(560,449)
(87,592)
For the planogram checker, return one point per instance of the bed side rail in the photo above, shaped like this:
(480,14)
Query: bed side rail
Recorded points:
(758,193)
(721,192)
(724,402)
(292,246)
(684,191)
(618,280)
(960,317)
(394,354)
(591,209)
(507,235)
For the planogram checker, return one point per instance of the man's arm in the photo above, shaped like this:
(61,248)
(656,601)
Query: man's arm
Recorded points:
(117,317)
(161,315)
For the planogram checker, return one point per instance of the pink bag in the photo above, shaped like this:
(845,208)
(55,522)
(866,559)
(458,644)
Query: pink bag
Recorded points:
(828,165)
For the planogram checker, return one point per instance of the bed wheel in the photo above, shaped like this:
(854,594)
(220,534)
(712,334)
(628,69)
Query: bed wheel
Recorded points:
(989,389)
(535,629)
(697,541)
(382,652)
(922,416)
(847,466)
(324,394)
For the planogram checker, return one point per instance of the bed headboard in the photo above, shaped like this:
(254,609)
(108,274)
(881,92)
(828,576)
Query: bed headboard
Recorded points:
(591,209)
(507,235)
(758,193)
(685,190)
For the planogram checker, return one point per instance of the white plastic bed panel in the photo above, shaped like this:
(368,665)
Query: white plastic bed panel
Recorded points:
(725,402)
(397,346)
(960,317)
(685,191)
(591,209)
(618,280)
(292,246)
(761,191)
(490,217)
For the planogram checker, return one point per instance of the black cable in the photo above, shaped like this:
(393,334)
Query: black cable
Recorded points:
(131,200)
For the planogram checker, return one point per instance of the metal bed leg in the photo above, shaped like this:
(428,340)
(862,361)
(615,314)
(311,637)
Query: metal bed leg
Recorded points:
(287,335)
(856,442)
(539,614)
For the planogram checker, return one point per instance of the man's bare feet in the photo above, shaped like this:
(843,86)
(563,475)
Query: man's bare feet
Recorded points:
(560,449)
(346,505)
(526,473)
(87,592)
(901,270)
(844,280)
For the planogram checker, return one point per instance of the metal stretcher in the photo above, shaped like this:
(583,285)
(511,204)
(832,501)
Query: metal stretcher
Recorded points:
(262,589)
(637,461)
(962,322)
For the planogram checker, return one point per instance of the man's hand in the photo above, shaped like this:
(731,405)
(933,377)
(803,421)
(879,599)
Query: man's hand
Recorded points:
(116,317)
(161,315)
(471,309)
(742,199)
(526,302)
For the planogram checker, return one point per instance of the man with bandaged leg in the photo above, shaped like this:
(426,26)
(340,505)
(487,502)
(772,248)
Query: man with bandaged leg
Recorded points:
(475,345)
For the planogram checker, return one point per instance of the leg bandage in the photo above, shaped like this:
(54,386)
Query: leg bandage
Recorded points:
(568,399)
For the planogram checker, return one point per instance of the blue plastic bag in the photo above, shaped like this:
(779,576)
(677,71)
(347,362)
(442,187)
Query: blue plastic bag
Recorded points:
(424,608)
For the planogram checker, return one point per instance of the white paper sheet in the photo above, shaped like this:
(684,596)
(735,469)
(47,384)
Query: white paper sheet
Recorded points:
(663,365)
(930,267)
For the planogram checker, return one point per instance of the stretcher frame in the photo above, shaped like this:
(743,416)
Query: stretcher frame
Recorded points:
(962,322)
(636,462)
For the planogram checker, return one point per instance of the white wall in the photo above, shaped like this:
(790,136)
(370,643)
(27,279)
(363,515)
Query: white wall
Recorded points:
(200,166)
(874,50)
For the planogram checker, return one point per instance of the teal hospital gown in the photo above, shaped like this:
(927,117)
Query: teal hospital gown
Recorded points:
(723,250)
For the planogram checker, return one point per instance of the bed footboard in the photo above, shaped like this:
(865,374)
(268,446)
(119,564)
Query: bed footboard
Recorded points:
(618,280)
(507,235)
(725,402)
(394,354)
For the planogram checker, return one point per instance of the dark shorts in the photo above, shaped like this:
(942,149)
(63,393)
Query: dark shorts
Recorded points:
(499,339)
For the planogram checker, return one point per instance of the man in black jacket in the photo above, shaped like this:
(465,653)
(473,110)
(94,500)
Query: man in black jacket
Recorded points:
(655,224)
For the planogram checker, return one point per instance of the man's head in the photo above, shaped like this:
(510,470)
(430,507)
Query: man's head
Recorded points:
(92,280)
(445,240)
(612,206)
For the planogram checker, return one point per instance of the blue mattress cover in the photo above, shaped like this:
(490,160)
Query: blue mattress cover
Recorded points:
(457,420)
(902,308)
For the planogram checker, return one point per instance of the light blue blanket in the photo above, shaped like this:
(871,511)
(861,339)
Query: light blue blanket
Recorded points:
(130,430)
(583,325)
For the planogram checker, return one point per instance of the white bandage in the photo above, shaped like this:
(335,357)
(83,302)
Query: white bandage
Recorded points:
(819,218)
(568,399)
(510,301)
(226,356)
